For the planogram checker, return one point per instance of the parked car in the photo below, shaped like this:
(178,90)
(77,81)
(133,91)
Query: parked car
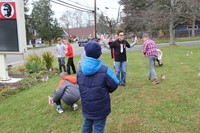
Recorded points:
(82,41)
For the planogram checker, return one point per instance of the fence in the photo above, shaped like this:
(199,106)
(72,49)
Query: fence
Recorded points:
(161,34)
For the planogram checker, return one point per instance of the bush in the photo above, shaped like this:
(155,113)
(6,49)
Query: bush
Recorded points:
(48,59)
(32,57)
(34,66)
(34,63)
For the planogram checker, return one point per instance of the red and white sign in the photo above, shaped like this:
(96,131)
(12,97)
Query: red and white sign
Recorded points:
(7,9)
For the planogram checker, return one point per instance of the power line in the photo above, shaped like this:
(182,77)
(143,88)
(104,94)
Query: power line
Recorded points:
(83,10)
(74,5)
(86,2)
(79,4)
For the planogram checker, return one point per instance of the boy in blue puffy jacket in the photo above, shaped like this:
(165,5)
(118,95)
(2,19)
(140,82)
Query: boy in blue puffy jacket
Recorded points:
(95,82)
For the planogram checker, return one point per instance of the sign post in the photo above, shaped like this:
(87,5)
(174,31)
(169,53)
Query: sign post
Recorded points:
(12,32)
(3,72)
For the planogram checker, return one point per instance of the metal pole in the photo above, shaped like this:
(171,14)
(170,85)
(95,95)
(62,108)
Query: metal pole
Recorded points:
(95,20)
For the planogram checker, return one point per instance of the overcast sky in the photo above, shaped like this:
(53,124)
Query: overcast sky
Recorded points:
(111,12)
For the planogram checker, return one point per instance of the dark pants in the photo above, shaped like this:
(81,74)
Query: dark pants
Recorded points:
(61,63)
(99,125)
(58,103)
(70,63)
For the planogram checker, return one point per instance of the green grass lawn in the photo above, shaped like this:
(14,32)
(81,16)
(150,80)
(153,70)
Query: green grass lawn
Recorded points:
(166,40)
(173,106)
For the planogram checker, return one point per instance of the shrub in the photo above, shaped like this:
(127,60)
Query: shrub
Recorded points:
(32,57)
(34,66)
(34,63)
(48,59)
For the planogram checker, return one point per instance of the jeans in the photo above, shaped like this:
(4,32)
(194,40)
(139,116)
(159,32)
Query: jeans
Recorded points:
(120,68)
(70,63)
(99,125)
(58,103)
(61,63)
(152,72)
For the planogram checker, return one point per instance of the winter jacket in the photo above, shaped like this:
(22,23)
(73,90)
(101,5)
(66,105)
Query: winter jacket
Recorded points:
(95,82)
(67,90)
(120,50)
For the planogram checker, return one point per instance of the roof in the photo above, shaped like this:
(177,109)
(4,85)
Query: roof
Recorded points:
(81,32)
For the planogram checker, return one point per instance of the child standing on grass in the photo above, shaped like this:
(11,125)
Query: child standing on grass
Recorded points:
(60,49)
(67,90)
(95,82)
(149,50)
(70,55)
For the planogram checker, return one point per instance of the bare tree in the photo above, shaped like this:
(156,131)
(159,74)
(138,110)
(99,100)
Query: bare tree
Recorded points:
(106,24)
(174,11)
(66,20)
(89,19)
(77,15)
(75,19)
(154,14)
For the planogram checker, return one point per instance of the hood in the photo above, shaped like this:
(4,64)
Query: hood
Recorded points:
(91,65)
(70,78)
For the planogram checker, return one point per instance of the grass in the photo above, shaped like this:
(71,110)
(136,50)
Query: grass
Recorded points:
(166,40)
(172,106)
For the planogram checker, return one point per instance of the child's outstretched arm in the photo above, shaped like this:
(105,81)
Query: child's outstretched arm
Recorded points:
(106,45)
(134,42)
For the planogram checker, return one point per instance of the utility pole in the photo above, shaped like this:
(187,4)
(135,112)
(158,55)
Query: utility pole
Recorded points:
(95,20)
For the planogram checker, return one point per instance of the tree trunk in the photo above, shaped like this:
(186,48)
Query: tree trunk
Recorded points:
(172,33)
(193,27)
(50,42)
(110,26)
(171,24)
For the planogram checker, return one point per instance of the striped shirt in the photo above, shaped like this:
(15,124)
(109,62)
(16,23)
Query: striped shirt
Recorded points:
(149,48)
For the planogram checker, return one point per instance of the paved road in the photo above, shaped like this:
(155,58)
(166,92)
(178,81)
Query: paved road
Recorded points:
(19,59)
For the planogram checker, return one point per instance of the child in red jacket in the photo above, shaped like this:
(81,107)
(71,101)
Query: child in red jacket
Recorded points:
(70,56)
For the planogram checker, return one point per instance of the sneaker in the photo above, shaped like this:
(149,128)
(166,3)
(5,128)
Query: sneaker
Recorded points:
(155,81)
(59,110)
(123,85)
(75,106)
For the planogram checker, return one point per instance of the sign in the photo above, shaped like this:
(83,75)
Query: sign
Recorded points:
(12,27)
(8,10)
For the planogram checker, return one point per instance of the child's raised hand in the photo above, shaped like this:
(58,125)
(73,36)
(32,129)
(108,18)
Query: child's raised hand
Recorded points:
(135,39)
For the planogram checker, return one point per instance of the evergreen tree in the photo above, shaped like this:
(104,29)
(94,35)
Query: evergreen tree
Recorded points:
(43,22)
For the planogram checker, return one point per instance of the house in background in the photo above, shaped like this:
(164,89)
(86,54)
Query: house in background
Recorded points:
(185,30)
(80,32)
(35,40)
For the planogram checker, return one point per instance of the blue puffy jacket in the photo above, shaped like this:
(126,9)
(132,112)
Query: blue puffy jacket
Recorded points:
(95,82)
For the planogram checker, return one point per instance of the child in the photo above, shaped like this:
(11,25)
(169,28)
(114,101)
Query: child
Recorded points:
(95,82)
(149,50)
(67,90)
(60,49)
(70,55)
